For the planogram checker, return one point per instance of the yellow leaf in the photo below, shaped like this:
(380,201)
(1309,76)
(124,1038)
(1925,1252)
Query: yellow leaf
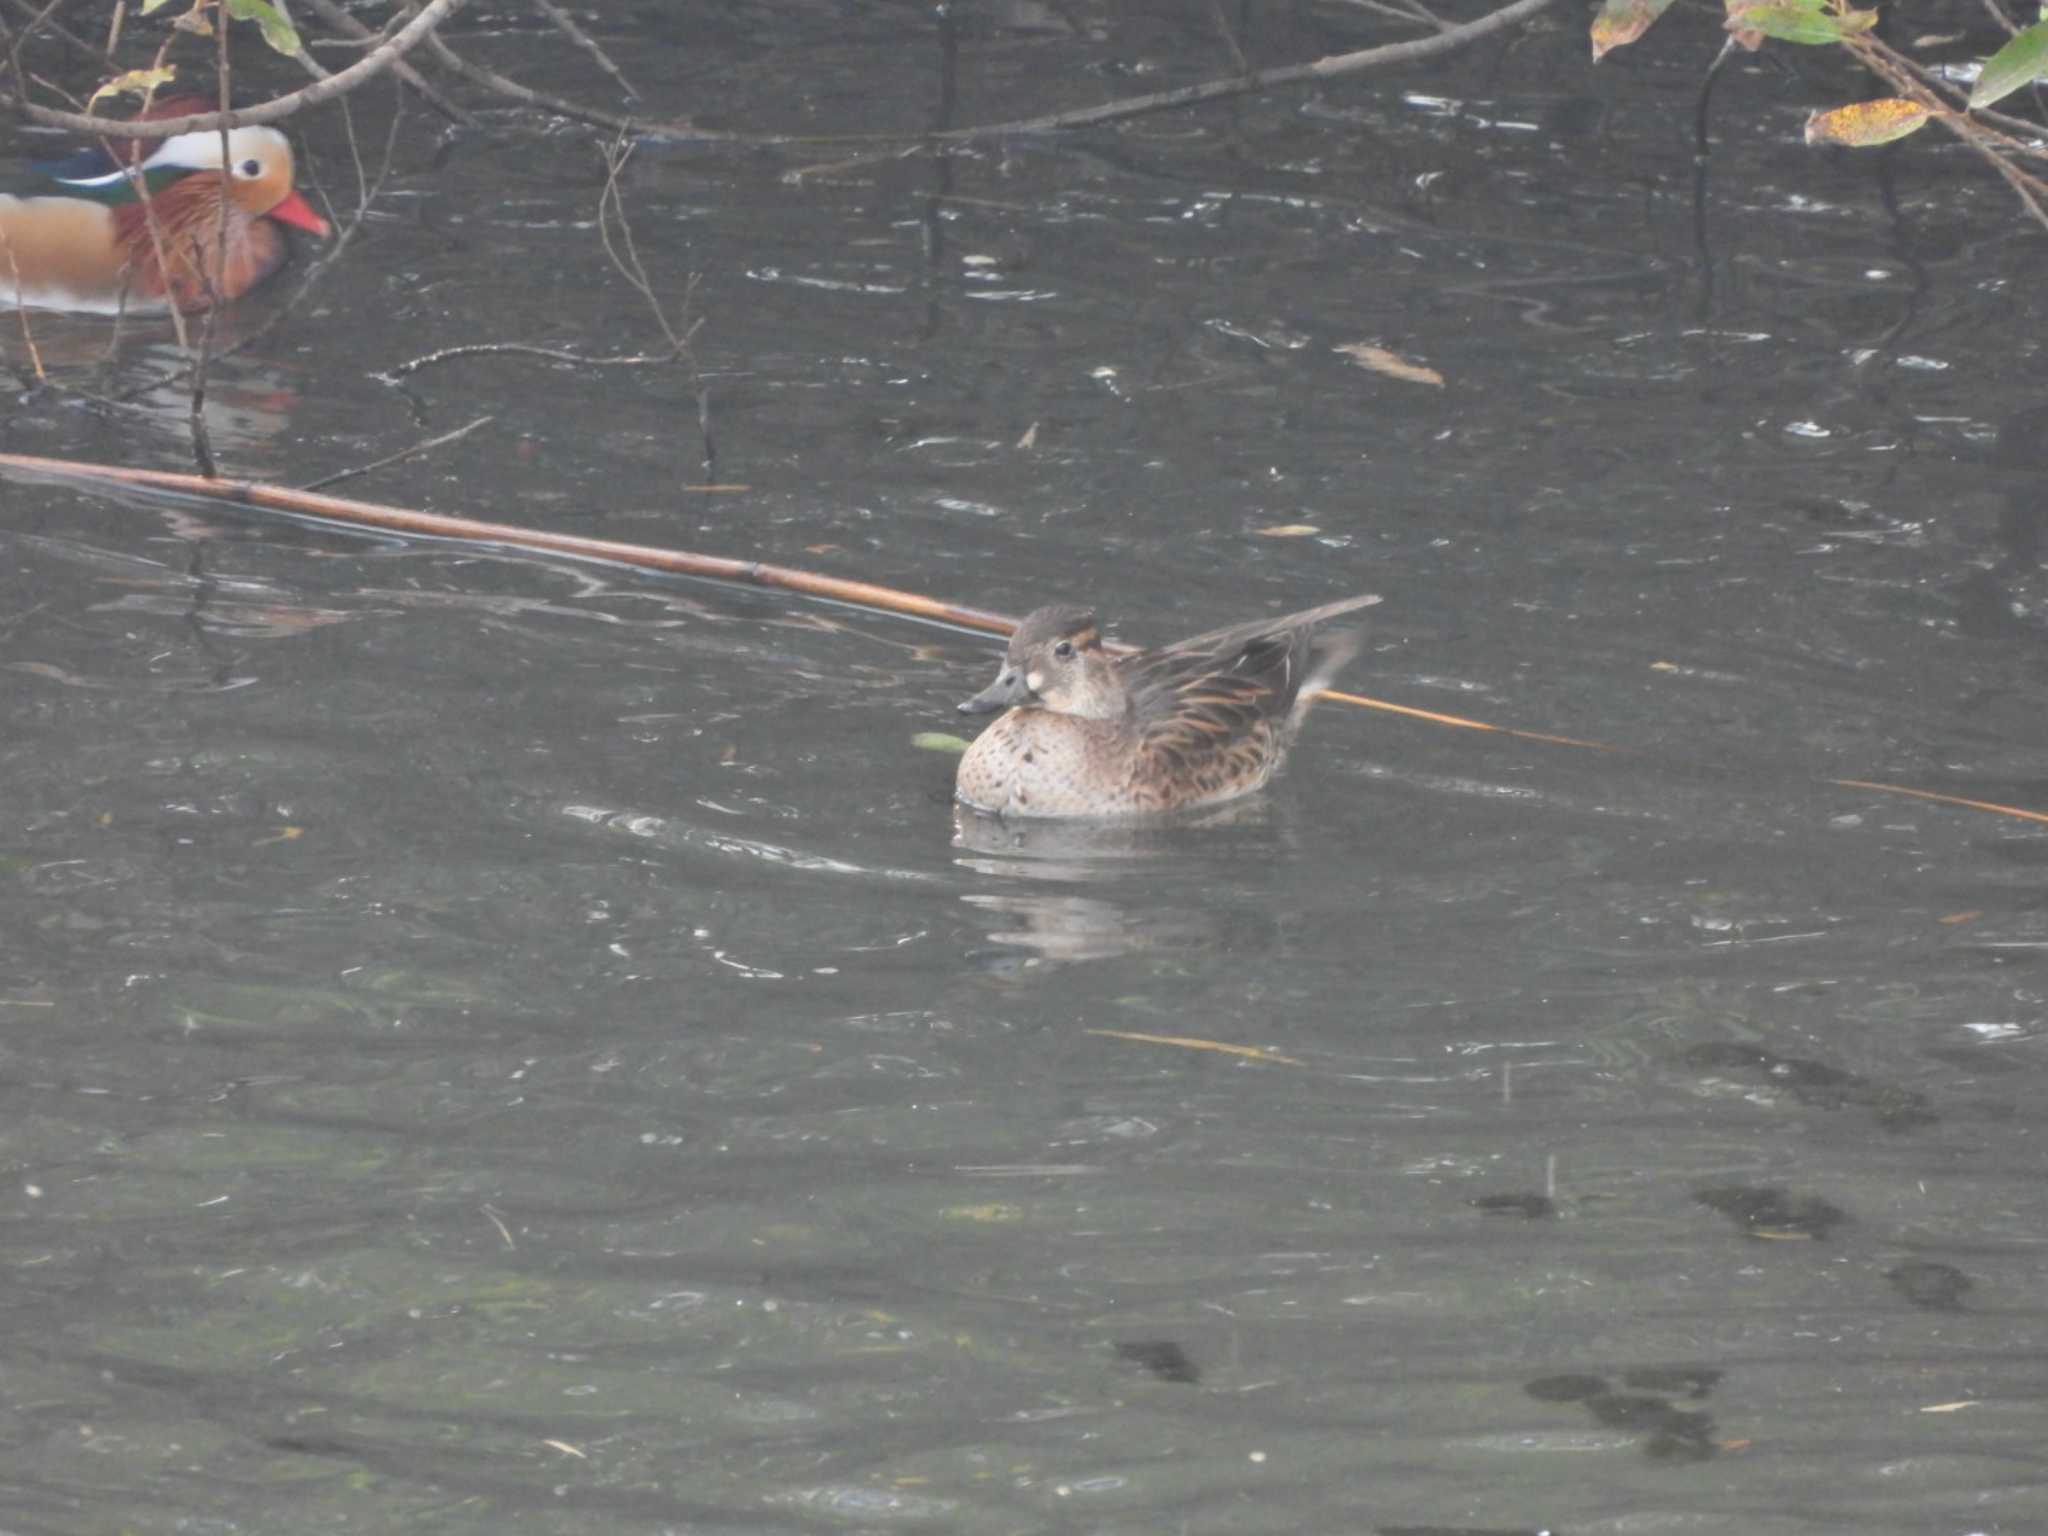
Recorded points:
(1863,123)
(1288,531)
(136,82)
(1394,366)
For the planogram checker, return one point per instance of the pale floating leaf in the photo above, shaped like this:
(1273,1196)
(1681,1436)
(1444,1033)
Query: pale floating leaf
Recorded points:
(136,82)
(1191,1043)
(274,24)
(1956,1407)
(1287,531)
(938,741)
(2022,61)
(994,1214)
(1392,364)
(1864,123)
(1621,22)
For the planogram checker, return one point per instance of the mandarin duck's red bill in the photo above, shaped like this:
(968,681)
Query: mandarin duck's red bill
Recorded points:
(94,245)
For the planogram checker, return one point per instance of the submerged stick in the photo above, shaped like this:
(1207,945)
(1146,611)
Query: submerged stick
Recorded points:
(434,525)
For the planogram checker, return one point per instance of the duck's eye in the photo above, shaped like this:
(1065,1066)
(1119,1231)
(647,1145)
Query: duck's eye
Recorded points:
(250,168)
(1064,650)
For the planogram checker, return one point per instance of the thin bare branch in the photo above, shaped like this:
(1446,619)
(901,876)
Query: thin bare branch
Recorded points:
(582,39)
(374,63)
(342,21)
(428,446)
(518,349)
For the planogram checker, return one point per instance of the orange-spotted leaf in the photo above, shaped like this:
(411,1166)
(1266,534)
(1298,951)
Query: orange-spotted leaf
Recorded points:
(1621,22)
(2022,61)
(1863,123)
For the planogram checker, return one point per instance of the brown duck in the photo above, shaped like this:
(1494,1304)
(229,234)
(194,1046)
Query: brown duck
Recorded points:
(1191,723)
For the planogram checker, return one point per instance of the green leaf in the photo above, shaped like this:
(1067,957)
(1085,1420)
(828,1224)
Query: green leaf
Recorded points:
(938,741)
(2022,61)
(277,31)
(1798,21)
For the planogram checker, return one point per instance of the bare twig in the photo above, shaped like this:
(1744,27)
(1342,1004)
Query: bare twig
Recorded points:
(374,63)
(38,19)
(616,232)
(342,21)
(1229,37)
(625,256)
(28,336)
(519,349)
(399,457)
(582,39)
(499,85)
(1407,10)
(1326,68)
(202,439)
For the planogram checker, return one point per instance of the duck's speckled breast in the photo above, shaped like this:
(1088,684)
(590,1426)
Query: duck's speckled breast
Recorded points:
(1038,762)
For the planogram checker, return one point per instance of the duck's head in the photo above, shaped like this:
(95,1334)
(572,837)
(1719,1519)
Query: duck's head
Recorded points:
(259,165)
(1055,660)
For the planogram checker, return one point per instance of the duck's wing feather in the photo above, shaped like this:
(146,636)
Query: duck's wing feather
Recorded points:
(1217,640)
(1222,706)
(1223,680)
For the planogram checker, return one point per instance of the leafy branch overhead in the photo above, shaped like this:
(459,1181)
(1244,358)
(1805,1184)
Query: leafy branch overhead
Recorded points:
(275,26)
(1919,95)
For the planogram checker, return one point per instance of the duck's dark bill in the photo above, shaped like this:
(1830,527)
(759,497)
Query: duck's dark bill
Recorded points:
(1007,690)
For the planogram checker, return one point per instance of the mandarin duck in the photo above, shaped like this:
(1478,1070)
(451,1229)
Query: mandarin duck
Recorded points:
(90,247)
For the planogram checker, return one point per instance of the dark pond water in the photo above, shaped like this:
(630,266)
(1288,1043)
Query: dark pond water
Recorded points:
(491,1044)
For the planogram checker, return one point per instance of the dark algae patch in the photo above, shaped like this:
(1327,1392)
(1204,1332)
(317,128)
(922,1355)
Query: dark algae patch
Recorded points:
(1816,1084)
(1765,1211)
(1666,1432)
